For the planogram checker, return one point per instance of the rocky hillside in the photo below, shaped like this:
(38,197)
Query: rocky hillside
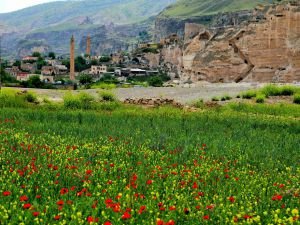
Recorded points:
(263,48)
(49,26)
(207,12)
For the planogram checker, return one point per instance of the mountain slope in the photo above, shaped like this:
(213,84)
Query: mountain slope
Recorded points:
(193,8)
(97,12)
(50,26)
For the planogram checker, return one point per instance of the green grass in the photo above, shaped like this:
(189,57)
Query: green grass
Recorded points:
(282,110)
(192,8)
(211,167)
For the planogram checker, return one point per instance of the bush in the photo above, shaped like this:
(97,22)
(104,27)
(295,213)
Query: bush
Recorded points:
(297,99)
(86,100)
(271,90)
(30,97)
(85,79)
(10,98)
(156,81)
(71,101)
(226,98)
(107,96)
(249,94)
(198,104)
(287,90)
(260,98)
(215,99)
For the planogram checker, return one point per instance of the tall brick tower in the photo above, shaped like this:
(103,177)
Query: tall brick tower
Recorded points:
(88,45)
(72,58)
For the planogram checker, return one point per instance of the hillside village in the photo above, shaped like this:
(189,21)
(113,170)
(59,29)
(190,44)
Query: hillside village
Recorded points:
(123,67)
(228,52)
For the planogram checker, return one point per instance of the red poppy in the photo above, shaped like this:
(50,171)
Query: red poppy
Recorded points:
(35,214)
(206,217)
(88,172)
(246,217)
(170,222)
(159,222)
(210,207)
(60,202)
(38,196)
(64,191)
(126,216)
(195,185)
(57,217)
(107,223)
(142,209)
(26,206)
(23,198)
(6,193)
(149,182)
(277,197)
(186,211)
(91,219)
(172,208)
(231,199)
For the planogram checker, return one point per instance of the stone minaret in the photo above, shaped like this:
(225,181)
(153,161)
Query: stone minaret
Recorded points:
(88,45)
(72,58)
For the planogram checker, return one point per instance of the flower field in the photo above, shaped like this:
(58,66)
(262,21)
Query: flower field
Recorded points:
(160,168)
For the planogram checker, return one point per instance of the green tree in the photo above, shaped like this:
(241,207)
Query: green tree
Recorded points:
(105,59)
(17,63)
(155,81)
(52,55)
(40,63)
(66,62)
(35,82)
(80,64)
(36,54)
(85,79)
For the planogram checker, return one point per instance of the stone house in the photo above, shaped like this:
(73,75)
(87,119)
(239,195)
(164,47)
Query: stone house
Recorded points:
(13,71)
(47,79)
(28,67)
(23,76)
(49,71)
(96,70)
(30,59)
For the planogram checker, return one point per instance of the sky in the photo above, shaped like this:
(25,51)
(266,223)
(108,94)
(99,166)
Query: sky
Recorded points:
(13,5)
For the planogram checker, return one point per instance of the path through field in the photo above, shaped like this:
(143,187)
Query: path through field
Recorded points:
(180,94)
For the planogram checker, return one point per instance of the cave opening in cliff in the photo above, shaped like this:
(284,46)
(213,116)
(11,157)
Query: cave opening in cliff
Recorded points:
(204,36)
(246,61)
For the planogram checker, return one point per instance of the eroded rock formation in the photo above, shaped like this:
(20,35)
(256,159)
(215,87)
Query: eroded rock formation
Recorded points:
(267,49)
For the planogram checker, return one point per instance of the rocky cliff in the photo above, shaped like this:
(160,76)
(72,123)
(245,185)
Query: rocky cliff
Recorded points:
(263,48)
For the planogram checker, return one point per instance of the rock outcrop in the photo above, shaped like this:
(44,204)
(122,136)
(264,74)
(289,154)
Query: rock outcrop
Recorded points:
(265,48)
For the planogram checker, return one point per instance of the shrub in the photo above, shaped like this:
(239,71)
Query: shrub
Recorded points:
(226,98)
(271,90)
(155,81)
(10,98)
(71,101)
(249,94)
(30,97)
(297,98)
(215,99)
(86,100)
(107,96)
(287,90)
(85,79)
(198,103)
(260,98)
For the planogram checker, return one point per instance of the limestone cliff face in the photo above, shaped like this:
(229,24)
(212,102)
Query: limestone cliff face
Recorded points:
(264,50)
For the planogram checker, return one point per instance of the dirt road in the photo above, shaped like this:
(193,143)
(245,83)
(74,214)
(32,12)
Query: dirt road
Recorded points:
(180,94)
